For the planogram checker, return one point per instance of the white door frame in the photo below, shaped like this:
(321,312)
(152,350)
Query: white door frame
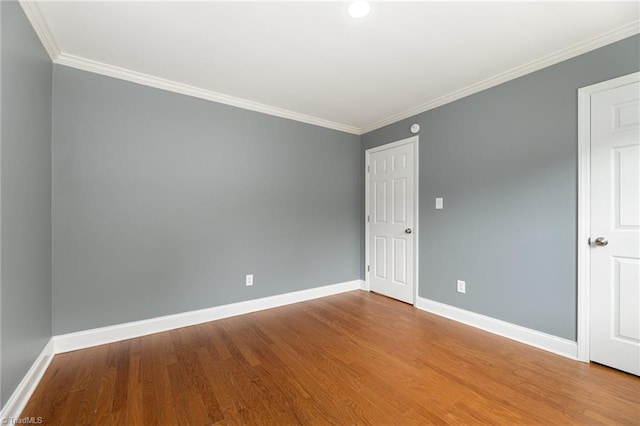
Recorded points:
(584,205)
(413,140)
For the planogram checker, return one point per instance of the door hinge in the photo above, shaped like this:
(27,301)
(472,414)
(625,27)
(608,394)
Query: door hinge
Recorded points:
(368,268)
(368,168)
(368,218)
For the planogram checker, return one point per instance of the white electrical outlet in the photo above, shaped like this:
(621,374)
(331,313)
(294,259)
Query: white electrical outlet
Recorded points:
(249,280)
(439,203)
(462,287)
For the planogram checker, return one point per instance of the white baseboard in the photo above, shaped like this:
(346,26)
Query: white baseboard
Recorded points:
(18,400)
(557,345)
(114,333)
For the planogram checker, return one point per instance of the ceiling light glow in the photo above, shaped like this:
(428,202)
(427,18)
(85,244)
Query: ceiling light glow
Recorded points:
(359,9)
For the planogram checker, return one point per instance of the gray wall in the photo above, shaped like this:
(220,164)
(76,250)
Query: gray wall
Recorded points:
(162,203)
(505,161)
(25,121)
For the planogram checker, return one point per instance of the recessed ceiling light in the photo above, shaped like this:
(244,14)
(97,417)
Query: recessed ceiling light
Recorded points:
(359,9)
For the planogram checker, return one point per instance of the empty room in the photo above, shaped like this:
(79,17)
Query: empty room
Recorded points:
(319,213)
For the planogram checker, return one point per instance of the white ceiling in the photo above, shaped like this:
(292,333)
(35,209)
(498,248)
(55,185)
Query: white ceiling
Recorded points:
(310,61)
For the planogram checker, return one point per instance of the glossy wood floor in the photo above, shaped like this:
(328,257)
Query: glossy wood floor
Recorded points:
(354,358)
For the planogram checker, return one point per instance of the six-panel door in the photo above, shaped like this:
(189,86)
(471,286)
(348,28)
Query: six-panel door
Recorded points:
(391,222)
(615,219)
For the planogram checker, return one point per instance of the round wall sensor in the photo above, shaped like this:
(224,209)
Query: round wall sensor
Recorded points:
(415,128)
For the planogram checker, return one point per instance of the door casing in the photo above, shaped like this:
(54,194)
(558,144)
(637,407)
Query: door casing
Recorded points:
(414,140)
(584,206)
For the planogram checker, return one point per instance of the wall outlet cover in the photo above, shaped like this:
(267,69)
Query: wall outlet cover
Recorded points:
(462,287)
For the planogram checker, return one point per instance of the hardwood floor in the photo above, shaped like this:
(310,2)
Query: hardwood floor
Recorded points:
(354,358)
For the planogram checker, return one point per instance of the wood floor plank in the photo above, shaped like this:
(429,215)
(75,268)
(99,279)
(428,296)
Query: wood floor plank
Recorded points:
(122,362)
(84,395)
(105,395)
(354,358)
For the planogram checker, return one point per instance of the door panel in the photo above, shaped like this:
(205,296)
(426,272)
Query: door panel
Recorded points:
(615,215)
(400,261)
(627,176)
(380,202)
(627,289)
(380,256)
(400,201)
(391,246)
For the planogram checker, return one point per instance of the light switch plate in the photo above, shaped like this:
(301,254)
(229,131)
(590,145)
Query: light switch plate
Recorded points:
(439,203)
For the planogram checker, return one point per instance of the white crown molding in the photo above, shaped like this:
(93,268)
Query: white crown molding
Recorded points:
(538,64)
(35,17)
(39,24)
(547,342)
(18,400)
(130,330)
(184,89)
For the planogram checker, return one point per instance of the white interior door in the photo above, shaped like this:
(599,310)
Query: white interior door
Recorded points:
(391,174)
(615,228)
